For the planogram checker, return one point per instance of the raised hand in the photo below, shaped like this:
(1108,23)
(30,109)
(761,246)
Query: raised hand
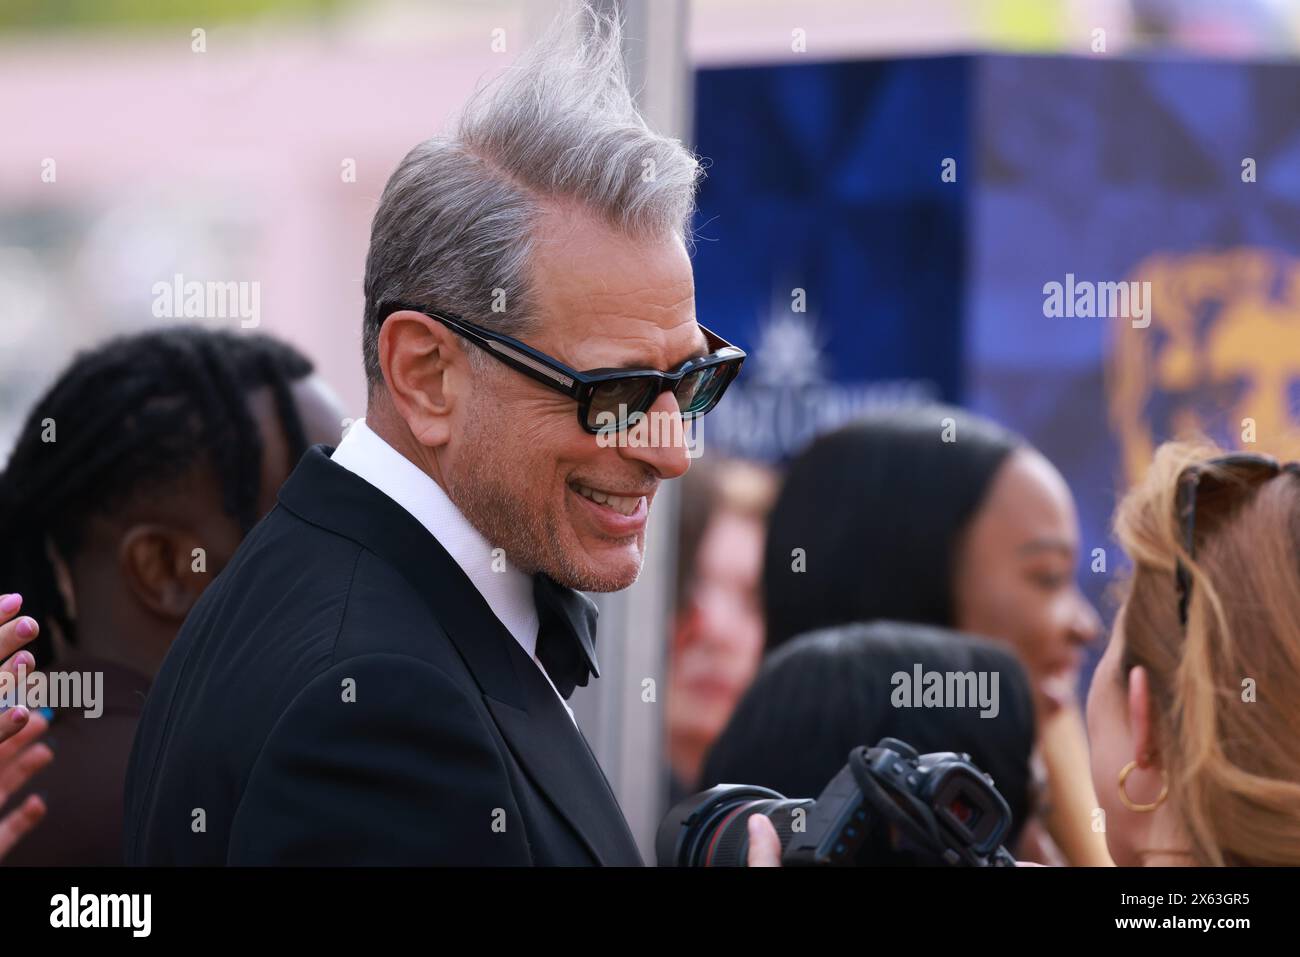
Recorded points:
(21,753)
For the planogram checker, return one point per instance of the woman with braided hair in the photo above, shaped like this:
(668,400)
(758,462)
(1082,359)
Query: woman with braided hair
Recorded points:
(133,481)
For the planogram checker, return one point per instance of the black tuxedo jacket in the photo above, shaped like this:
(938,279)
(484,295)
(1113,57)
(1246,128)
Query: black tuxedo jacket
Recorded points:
(342,694)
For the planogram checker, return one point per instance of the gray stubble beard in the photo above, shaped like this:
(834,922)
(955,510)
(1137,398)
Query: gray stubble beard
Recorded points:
(490,506)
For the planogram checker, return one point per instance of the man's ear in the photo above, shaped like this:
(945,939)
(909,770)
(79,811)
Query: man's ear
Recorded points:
(1146,753)
(426,372)
(156,563)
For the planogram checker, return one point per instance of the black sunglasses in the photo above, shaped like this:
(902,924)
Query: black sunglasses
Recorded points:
(1210,481)
(607,398)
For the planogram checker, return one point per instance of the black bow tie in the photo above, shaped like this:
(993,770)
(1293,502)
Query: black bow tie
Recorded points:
(566,638)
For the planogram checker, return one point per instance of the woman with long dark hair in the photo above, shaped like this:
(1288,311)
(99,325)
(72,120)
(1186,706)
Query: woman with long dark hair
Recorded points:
(933,515)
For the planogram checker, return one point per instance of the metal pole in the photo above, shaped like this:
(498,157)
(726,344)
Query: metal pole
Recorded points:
(625,729)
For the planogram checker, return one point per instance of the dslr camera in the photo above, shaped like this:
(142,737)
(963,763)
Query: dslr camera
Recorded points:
(887,806)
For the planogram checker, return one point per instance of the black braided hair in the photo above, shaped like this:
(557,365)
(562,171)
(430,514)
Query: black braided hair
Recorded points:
(130,417)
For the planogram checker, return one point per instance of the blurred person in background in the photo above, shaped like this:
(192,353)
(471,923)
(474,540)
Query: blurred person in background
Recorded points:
(822,694)
(932,515)
(22,754)
(717,639)
(1192,716)
(133,481)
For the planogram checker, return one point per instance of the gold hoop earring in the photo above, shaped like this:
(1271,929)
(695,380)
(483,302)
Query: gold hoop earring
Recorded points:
(1142,808)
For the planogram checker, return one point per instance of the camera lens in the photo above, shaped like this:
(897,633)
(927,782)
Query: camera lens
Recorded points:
(710,829)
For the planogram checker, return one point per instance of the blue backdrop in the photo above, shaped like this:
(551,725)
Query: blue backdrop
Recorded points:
(1184,175)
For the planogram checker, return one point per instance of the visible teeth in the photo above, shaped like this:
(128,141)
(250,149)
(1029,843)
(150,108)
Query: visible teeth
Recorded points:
(623,504)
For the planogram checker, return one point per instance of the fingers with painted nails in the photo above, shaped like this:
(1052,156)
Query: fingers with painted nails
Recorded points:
(22,755)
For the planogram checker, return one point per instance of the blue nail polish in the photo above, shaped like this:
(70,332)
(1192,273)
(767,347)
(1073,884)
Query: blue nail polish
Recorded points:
(46,713)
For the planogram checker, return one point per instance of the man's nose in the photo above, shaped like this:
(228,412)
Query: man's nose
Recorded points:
(659,440)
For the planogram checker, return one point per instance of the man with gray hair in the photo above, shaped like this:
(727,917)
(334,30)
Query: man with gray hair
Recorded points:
(380,674)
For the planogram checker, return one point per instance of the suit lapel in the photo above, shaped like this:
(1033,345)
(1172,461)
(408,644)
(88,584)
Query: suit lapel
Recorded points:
(556,757)
(531,719)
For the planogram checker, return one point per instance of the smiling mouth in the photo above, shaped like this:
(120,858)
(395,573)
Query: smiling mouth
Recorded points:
(623,504)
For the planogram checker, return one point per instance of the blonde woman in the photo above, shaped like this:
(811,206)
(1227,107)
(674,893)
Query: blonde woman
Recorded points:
(1194,710)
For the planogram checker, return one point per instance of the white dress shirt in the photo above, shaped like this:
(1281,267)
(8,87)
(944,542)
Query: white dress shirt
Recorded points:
(508,593)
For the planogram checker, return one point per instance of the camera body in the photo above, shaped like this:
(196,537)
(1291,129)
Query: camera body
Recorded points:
(888,804)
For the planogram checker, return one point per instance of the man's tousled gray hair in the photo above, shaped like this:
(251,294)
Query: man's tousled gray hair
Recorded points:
(454,225)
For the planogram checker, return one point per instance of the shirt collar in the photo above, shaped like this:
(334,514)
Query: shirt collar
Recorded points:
(507,590)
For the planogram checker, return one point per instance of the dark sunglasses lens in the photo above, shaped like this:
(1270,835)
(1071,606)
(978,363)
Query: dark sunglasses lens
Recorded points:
(1231,475)
(699,392)
(613,401)
(1252,471)
(1204,493)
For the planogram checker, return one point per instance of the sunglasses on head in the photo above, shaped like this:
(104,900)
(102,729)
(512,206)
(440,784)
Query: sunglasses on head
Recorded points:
(1210,481)
(607,398)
